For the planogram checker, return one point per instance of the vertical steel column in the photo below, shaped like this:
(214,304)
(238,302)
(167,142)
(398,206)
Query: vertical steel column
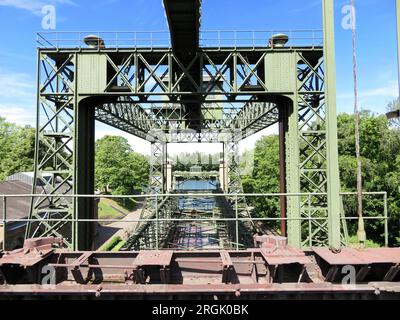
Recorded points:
(28,231)
(331,126)
(231,149)
(4,223)
(293,171)
(282,165)
(225,157)
(84,171)
(54,149)
(157,167)
(165,167)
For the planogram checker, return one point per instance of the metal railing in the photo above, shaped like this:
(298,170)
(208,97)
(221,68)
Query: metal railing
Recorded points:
(161,39)
(158,197)
(258,38)
(119,39)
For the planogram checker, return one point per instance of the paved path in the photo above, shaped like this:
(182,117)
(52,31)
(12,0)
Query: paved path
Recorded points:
(106,232)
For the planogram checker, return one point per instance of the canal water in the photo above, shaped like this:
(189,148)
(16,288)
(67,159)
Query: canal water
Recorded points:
(197,185)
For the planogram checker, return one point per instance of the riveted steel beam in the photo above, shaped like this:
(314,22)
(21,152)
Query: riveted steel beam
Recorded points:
(331,126)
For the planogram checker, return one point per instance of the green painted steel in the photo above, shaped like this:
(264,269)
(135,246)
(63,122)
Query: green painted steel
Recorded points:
(54,149)
(150,93)
(292,171)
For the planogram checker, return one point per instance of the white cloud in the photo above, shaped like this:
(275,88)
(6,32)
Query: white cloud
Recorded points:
(18,115)
(17,98)
(34,6)
(391,90)
(17,86)
(375,99)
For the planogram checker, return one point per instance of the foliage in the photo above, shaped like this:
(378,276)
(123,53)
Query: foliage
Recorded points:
(110,209)
(118,168)
(380,155)
(265,177)
(118,246)
(353,242)
(184,161)
(17,146)
(111,244)
(380,152)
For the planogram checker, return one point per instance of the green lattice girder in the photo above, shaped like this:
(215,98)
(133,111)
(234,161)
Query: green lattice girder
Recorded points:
(144,92)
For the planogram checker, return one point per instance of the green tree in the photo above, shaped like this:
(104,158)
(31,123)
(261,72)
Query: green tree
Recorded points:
(16,148)
(380,152)
(380,149)
(117,168)
(264,177)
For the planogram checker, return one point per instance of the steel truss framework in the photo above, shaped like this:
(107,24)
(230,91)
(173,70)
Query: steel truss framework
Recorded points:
(154,94)
(58,112)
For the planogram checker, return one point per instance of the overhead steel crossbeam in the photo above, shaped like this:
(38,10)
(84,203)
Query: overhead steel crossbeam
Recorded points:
(231,91)
(184,17)
(127,117)
(256,116)
(143,84)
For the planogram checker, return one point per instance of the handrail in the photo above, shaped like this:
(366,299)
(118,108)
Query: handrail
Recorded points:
(157,219)
(141,196)
(162,39)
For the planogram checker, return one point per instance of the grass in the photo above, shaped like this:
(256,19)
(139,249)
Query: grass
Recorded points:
(118,246)
(127,204)
(353,242)
(111,244)
(111,209)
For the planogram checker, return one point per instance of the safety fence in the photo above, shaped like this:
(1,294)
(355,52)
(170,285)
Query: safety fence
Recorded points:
(161,39)
(196,215)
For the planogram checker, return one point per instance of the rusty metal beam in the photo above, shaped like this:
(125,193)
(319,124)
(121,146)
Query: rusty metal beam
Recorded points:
(272,268)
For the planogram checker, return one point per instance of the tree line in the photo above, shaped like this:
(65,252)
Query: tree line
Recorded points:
(185,160)
(380,155)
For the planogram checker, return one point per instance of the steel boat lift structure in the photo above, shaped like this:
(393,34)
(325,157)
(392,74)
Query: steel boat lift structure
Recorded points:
(273,82)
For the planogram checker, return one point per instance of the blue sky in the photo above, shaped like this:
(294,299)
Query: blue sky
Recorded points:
(376,40)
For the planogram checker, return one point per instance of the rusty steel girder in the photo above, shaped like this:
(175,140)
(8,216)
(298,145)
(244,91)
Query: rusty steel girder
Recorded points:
(274,269)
